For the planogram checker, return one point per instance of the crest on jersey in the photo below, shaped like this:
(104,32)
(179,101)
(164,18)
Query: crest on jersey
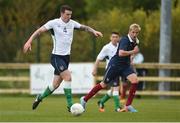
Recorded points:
(65,30)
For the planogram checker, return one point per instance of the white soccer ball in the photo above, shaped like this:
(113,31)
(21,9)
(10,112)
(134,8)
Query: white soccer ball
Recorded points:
(76,109)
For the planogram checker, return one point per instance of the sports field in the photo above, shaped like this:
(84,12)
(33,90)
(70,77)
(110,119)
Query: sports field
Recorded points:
(18,108)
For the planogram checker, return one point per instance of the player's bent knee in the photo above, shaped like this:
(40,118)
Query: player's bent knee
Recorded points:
(135,81)
(67,78)
(66,75)
(103,85)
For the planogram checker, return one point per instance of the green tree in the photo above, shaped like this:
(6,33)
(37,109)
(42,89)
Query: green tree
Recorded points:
(19,18)
(125,5)
(175,33)
(15,25)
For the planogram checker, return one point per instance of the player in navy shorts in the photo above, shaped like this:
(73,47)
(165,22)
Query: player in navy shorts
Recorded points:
(61,29)
(120,65)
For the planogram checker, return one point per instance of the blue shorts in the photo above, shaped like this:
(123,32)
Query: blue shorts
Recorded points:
(114,71)
(60,63)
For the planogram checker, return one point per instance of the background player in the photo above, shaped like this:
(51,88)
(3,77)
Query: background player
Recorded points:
(107,52)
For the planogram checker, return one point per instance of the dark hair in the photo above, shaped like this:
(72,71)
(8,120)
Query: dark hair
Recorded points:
(116,33)
(65,7)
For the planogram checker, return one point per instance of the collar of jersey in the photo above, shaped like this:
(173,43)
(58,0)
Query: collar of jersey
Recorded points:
(137,40)
(112,44)
(63,21)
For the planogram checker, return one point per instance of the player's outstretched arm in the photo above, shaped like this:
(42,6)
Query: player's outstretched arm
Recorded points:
(27,45)
(89,29)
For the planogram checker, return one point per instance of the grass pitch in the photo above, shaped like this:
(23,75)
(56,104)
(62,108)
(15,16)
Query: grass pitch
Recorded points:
(18,109)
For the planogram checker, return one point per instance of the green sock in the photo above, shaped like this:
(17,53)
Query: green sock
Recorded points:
(116,101)
(68,94)
(46,93)
(105,98)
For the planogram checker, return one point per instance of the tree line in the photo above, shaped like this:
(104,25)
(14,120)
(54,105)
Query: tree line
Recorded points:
(19,18)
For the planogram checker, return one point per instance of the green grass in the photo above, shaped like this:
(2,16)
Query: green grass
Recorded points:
(53,108)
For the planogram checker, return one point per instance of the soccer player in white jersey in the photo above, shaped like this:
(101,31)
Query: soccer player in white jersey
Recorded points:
(107,52)
(62,34)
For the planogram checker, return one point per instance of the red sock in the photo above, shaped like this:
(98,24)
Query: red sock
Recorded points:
(123,93)
(92,92)
(132,92)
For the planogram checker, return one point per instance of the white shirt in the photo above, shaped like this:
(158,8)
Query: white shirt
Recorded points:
(109,50)
(63,35)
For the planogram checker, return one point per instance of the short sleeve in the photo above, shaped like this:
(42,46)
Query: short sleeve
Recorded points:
(123,44)
(49,25)
(76,24)
(102,54)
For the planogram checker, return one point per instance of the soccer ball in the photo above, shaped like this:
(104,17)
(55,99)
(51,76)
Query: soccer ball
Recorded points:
(76,109)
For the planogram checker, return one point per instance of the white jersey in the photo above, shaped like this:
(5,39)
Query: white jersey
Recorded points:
(108,51)
(62,35)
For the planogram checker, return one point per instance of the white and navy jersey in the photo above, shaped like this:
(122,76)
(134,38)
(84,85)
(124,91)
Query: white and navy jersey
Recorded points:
(62,35)
(107,52)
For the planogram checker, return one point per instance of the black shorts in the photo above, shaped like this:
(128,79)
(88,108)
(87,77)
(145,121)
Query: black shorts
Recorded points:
(60,63)
(113,71)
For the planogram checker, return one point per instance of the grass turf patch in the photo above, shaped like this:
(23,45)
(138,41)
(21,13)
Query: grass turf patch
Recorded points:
(53,108)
